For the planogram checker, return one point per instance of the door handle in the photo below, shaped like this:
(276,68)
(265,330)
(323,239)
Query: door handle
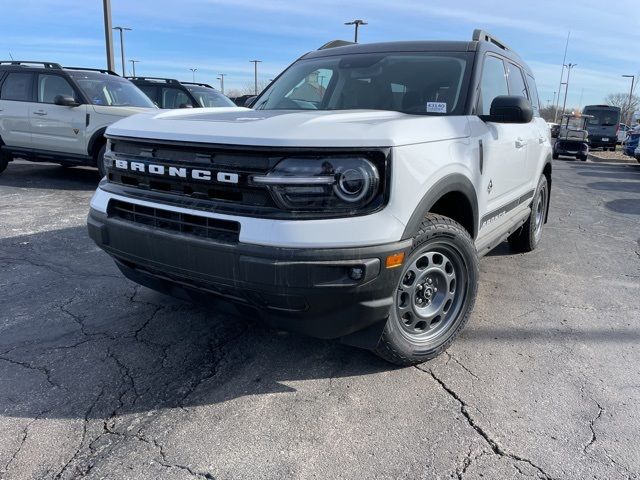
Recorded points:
(520,143)
(39,112)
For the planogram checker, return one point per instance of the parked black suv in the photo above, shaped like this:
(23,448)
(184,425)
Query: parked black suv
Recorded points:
(171,93)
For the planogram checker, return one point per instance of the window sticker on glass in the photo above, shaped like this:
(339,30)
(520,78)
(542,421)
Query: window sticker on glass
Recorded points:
(436,107)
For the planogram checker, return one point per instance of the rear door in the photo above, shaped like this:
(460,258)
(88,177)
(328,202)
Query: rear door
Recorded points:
(150,91)
(504,152)
(16,96)
(58,128)
(172,97)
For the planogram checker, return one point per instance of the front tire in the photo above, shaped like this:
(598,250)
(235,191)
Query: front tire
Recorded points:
(3,164)
(527,237)
(100,161)
(435,294)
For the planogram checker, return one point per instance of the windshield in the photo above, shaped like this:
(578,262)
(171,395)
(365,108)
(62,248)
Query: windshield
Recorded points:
(208,97)
(103,89)
(418,83)
(604,117)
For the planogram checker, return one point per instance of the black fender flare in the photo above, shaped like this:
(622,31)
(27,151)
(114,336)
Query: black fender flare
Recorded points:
(455,182)
(96,140)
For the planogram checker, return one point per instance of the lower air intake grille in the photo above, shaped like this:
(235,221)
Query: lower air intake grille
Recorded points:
(220,230)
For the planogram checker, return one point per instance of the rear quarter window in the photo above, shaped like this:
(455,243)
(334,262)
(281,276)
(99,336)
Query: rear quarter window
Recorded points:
(17,86)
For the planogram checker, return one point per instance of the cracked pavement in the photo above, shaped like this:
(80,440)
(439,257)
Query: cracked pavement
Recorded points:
(100,378)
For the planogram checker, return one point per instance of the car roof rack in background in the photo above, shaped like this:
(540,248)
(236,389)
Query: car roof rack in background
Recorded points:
(198,83)
(155,79)
(336,43)
(26,63)
(482,36)
(101,70)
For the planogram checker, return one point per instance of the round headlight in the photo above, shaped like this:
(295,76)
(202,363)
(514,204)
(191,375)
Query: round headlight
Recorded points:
(356,182)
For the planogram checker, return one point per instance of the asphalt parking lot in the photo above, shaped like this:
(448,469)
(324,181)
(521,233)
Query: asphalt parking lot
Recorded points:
(100,378)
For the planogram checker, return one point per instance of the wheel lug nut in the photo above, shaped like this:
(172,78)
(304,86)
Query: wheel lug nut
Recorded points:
(429,281)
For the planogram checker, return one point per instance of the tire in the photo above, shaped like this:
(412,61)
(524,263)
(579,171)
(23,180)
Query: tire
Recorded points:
(435,294)
(582,157)
(555,156)
(527,237)
(3,164)
(100,161)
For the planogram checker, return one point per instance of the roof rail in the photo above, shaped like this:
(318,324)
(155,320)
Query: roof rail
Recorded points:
(158,79)
(101,70)
(336,43)
(482,36)
(31,62)
(198,84)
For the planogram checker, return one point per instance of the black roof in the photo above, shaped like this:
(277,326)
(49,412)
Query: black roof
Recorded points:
(480,42)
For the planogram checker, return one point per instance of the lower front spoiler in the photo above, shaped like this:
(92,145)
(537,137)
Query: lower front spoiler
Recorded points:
(312,291)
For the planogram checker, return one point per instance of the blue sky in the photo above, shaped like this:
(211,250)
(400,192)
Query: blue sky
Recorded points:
(221,36)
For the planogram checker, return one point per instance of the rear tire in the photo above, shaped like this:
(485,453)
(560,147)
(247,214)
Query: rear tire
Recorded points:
(5,158)
(100,161)
(527,237)
(555,156)
(582,157)
(435,294)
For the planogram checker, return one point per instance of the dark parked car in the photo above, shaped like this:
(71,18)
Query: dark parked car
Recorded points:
(603,126)
(630,145)
(555,129)
(170,93)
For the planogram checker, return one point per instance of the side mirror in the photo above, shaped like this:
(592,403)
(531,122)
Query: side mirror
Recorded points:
(249,101)
(65,101)
(509,109)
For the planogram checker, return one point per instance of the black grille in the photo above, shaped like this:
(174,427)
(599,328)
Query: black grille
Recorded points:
(220,230)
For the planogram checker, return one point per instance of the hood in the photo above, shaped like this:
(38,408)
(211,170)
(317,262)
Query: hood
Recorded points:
(288,128)
(121,111)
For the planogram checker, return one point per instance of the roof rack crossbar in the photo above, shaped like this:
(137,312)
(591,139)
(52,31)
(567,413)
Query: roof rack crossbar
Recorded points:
(336,43)
(480,35)
(159,79)
(101,70)
(31,62)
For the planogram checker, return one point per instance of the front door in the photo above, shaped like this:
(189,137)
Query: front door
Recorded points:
(57,128)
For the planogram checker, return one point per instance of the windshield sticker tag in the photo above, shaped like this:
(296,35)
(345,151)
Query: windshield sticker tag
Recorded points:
(436,107)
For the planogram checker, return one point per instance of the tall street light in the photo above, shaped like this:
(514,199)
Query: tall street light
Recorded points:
(566,88)
(564,59)
(108,35)
(255,75)
(133,66)
(121,30)
(357,24)
(221,78)
(193,74)
(630,113)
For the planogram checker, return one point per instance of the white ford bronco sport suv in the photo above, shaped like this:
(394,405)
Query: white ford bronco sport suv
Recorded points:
(54,114)
(352,201)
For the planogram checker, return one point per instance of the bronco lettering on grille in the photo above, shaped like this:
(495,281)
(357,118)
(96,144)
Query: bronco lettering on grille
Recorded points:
(180,172)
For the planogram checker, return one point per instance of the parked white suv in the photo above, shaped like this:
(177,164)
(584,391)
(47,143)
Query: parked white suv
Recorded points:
(352,201)
(55,114)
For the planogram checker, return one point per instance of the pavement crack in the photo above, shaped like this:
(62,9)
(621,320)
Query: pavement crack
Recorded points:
(495,446)
(42,369)
(23,440)
(463,366)
(592,427)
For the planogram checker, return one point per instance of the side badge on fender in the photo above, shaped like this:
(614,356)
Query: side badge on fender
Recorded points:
(490,187)
(76,130)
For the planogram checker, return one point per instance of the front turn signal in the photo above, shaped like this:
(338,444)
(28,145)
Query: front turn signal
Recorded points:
(395,260)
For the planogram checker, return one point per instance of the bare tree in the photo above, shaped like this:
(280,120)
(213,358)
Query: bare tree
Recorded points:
(622,100)
(246,89)
(549,112)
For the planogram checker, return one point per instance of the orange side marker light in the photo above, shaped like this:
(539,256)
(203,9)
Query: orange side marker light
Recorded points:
(395,260)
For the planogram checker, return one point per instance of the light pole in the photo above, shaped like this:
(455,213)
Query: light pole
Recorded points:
(564,59)
(133,66)
(566,88)
(121,30)
(633,78)
(193,74)
(108,35)
(221,78)
(357,24)
(255,75)
(554,99)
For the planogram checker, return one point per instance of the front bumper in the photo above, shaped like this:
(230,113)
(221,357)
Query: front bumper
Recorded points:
(306,290)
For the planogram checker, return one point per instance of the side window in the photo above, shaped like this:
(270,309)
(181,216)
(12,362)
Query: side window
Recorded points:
(50,86)
(17,86)
(516,82)
(150,91)
(312,88)
(493,83)
(174,98)
(533,91)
